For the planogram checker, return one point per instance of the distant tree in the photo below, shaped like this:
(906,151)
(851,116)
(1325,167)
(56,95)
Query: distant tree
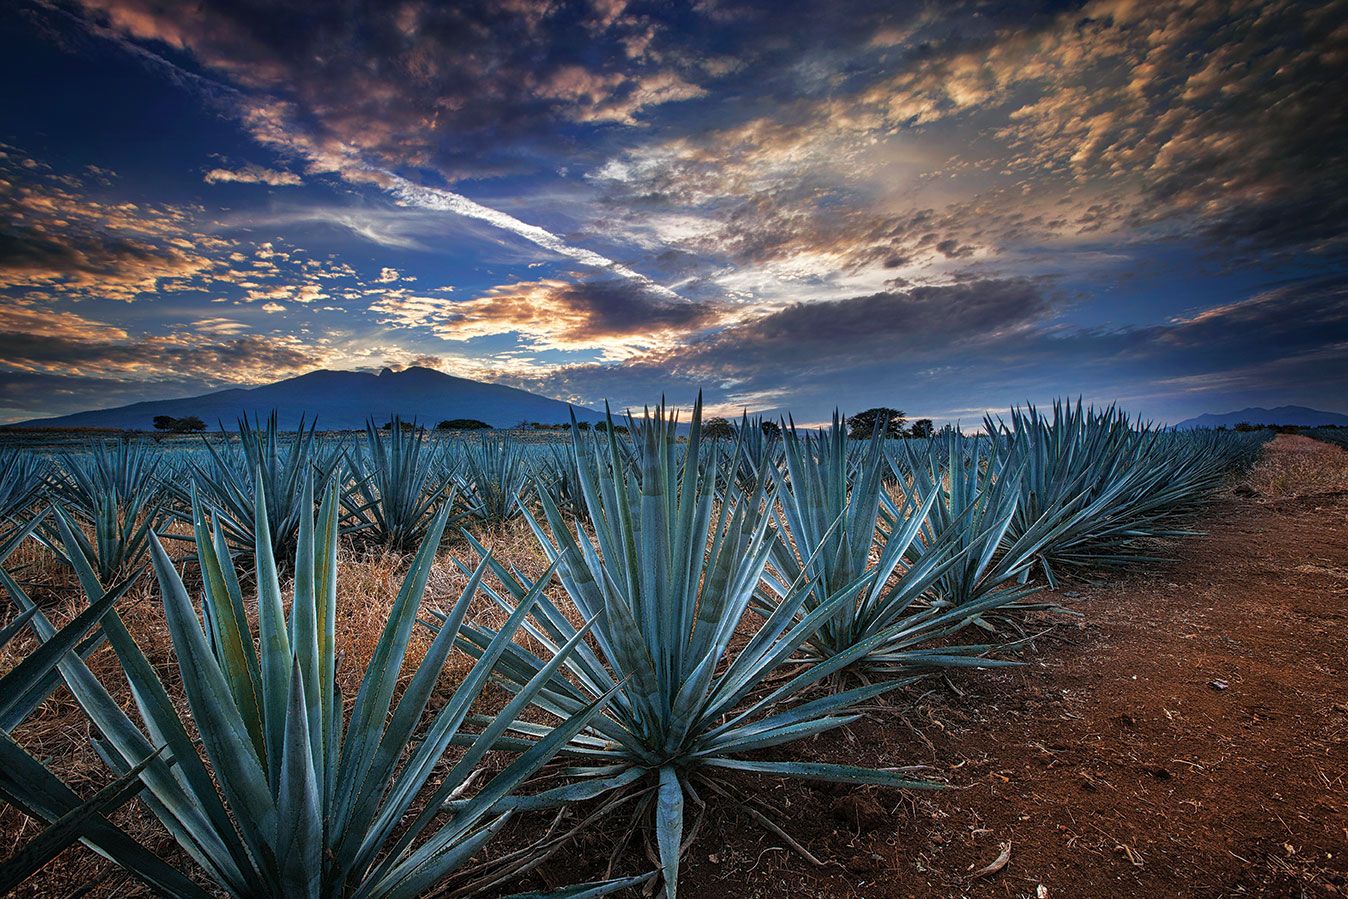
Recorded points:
(1246,426)
(402,425)
(582,426)
(921,429)
(620,429)
(863,424)
(187,425)
(717,429)
(771,429)
(462,424)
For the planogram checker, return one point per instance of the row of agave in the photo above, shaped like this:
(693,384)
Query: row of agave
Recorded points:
(1332,436)
(719,602)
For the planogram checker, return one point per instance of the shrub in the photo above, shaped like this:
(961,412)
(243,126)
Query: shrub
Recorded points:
(463,424)
(188,425)
(920,429)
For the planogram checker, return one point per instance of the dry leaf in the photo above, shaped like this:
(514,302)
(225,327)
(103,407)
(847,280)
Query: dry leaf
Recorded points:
(998,864)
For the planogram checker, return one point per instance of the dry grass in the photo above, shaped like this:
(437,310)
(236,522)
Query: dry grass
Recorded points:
(1303,467)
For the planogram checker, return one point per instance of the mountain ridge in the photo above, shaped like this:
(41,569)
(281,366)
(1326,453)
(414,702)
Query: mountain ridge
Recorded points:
(1300,416)
(340,400)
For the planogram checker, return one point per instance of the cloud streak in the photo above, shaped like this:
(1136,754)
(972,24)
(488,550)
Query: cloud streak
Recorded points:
(447,201)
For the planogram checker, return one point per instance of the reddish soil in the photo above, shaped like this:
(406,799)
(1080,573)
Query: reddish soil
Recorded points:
(1187,735)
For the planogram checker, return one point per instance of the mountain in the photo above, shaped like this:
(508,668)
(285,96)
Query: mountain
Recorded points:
(1283,415)
(342,400)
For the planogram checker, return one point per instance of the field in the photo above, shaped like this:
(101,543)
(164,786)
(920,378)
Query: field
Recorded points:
(1076,657)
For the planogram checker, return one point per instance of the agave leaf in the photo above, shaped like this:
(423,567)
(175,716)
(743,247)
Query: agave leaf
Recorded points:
(243,776)
(589,890)
(28,785)
(669,827)
(69,828)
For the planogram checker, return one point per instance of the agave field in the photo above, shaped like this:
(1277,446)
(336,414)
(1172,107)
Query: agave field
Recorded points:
(690,614)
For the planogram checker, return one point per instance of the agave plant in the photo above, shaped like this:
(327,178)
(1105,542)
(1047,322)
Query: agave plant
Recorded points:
(493,479)
(557,473)
(396,491)
(264,461)
(23,480)
(667,577)
(116,490)
(759,448)
(829,534)
(292,798)
(1331,435)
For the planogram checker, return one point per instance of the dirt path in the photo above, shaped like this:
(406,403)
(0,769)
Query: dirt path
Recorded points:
(1188,736)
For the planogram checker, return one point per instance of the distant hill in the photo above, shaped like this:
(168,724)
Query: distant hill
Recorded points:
(1283,415)
(342,400)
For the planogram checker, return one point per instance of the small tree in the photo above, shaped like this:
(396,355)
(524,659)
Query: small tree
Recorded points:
(771,429)
(462,424)
(717,429)
(921,429)
(187,425)
(863,424)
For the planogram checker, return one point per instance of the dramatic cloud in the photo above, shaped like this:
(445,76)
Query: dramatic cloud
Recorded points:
(614,316)
(38,341)
(426,84)
(252,174)
(55,237)
(937,347)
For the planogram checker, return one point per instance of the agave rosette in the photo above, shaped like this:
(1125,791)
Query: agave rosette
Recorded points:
(667,578)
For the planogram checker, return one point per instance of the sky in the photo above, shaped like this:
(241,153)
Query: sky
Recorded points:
(944,207)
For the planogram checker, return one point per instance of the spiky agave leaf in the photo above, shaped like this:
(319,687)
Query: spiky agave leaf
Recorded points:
(977,494)
(23,482)
(667,578)
(287,797)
